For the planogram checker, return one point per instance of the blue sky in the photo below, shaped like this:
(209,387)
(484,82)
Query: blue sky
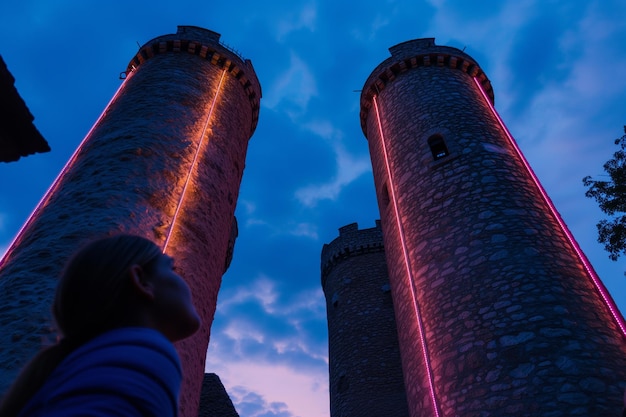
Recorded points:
(558,71)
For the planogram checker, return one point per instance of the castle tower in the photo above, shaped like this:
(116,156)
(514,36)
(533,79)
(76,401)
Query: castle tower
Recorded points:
(364,361)
(164,160)
(498,311)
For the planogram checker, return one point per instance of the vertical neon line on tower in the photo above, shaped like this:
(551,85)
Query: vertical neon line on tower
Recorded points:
(587,265)
(405,253)
(193,163)
(44,200)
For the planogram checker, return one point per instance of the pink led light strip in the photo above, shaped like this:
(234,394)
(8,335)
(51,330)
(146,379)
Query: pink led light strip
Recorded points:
(594,277)
(193,163)
(409,272)
(44,200)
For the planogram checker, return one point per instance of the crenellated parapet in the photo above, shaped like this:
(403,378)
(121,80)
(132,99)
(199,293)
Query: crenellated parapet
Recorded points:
(493,298)
(351,242)
(413,54)
(365,373)
(165,161)
(205,44)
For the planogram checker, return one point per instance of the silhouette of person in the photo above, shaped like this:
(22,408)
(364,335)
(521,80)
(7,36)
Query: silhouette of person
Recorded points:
(118,306)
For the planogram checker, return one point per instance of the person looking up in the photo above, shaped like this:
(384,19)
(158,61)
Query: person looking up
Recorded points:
(118,306)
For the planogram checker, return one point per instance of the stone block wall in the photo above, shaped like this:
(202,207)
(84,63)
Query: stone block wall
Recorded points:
(497,314)
(214,400)
(364,361)
(165,160)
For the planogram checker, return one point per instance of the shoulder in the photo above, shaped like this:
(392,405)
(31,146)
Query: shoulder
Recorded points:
(140,346)
(132,352)
(132,369)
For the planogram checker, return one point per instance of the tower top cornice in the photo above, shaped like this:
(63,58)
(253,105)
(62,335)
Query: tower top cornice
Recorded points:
(413,54)
(351,241)
(207,45)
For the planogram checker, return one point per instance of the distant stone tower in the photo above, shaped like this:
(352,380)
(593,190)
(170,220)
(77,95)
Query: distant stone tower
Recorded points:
(364,361)
(498,311)
(214,400)
(165,161)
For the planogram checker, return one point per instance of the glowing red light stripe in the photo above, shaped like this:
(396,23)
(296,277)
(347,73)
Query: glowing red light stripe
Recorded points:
(594,277)
(44,200)
(193,163)
(405,253)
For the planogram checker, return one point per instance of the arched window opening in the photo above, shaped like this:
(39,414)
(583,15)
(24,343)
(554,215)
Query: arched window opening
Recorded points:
(438,147)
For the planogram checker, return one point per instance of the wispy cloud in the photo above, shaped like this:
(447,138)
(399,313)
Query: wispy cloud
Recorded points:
(493,28)
(297,345)
(265,389)
(280,227)
(249,214)
(278,373)
(305,229)
(242,339)
(592,44)
(292,89)
(303,18)
(298,229)
(311,301)
(263,291)
(349,168)
(371,29)
(254,405)
(557,119)
(324,129)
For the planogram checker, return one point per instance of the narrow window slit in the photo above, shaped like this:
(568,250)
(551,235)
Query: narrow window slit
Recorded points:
(438,147)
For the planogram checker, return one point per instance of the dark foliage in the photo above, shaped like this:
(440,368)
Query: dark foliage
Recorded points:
(611,197)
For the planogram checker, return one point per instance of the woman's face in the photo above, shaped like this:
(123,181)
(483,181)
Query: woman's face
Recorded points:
(175,314)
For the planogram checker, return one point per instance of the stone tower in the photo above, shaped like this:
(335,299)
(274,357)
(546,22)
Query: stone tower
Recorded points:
(364,361)
(498,311)
(164,160)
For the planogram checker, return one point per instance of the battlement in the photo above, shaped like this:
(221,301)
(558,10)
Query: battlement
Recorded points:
(422,46)
(413,54)
(351,242)
(364,366)
(207,45)
(485,278)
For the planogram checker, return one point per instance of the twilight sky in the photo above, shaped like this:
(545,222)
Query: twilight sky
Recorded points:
(558,69)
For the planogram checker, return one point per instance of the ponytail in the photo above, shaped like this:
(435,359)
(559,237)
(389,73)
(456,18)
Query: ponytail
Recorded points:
(92,297)
(33,377)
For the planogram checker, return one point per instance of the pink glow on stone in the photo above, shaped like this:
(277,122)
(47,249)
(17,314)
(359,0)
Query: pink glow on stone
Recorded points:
(193,163)
(46,197)
(405,252)
(590,271)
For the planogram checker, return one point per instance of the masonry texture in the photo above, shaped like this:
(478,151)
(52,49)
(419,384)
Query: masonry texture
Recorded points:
(129,176)
(214,400)
(495,309)
(364,360)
